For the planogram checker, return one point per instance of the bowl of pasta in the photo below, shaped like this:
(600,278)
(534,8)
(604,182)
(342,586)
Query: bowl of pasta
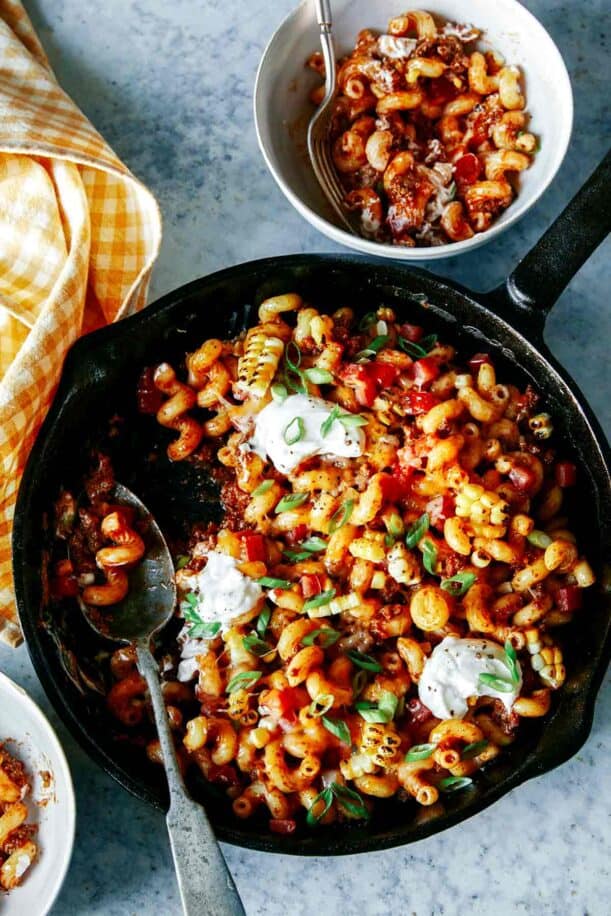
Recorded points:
(37,808)
(447,125)
(388,508)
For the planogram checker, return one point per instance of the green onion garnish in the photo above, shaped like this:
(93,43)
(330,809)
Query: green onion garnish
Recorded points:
(501,684)
(319,600)
(341,516)
(388,704)
(350,801)
(294,431)
(418,350)
(243,681)
(325,426)
(358,682)
(318,376)
(512,662)
(263,620)
(326,796)
(338,728)
(366,662)
(314,544)
(279,392)
(291,502)
(181,561)
(373,347)
(395,526)
(429,557)
(367,320)
(321,705)
(419,752)
(417,530)
(198,628)
(459,584)
(539,539)
(350,420)
(263,488)
(323,637)
(371,713)
(272,582)
(470,751)
(291,348)
(454,783)
(257,646)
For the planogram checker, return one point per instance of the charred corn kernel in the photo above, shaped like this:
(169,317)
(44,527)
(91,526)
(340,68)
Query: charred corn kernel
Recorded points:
(356,765)
(403,565)
(541,425)
(378,580)
(259,363)
(367,549)
(481,506)
(533,640)
(373,735)
(238,704)
(548,663)
(380,742)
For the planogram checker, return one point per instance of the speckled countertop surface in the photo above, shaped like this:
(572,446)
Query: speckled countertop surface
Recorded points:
(147,73)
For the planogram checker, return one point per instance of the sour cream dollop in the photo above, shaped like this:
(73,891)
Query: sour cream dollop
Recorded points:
(222,593)
(268,440)
(451,676)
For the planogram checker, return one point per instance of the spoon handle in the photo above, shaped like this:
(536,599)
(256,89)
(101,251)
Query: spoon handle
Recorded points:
(205,883)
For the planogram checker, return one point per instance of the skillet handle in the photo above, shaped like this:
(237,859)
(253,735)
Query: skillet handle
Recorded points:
(537,281)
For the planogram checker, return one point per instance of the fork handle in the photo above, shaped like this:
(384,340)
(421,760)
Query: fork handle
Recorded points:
(323,15)
(204,881)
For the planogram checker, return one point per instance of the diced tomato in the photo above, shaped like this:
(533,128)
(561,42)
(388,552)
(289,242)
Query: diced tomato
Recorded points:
(477,360)
(357,377)
(283,825)
(441,91)
(424,371)
(254,546)
(296,534)
(523,478)
(411,332)
(569,598)
(310,585)
(467,169)
(416,711)
(391,487)
(566,474)
(281,704)
(383,374)
(439,509)
(416,402)
(403,476)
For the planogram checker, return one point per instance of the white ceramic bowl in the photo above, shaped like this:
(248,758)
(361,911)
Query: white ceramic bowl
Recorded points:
(51,801)
(282,110)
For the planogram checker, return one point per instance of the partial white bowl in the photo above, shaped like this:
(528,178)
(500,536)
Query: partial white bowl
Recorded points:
(282,110)
(51,802)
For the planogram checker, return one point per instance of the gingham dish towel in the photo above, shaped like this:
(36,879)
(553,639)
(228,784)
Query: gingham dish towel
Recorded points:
(78,238)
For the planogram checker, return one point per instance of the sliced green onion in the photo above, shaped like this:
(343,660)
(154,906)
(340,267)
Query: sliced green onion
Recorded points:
(454,783)
(452,190)
(293,380)
(339,518)
(395,525)
(358,682)
(296,556)
(291,502)
(318,376)
(372,347)
(474,749)
(294,431)
(243,681)
(325,426)
(321,705)
(295,363)
(412,349)
(338,728)
(181,561)
(512,662)
(389,540)
(429,557)
(319,600)
(539,539)
(417,530)
(204,629)
(272,582)
(257,646)
(367,320)
(314,544)
(263,620)
(279,392)
(323,637)
(350,801)
(501,684)
(419,752)
(350,420)
(326,796)
(190,603)
(366,662)
(263,488)
(388,703)
(372,713)
(459,584)
(427,343)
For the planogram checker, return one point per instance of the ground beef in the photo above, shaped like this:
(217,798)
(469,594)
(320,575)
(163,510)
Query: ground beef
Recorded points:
(100,483)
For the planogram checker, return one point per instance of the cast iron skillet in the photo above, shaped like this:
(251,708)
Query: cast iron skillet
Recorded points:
(99,379)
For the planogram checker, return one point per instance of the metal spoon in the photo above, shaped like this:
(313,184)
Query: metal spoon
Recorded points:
(205,883)
(319,147)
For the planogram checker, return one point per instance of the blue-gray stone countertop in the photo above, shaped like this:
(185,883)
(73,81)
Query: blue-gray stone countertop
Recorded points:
(169,84)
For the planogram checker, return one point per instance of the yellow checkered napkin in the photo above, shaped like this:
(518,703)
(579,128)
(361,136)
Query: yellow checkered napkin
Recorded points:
(78,238)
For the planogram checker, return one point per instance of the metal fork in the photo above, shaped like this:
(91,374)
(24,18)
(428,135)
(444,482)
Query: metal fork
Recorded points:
(319,147)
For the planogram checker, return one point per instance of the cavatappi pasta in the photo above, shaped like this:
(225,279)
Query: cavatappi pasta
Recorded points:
(18,849)
(429,134)
(417,527)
